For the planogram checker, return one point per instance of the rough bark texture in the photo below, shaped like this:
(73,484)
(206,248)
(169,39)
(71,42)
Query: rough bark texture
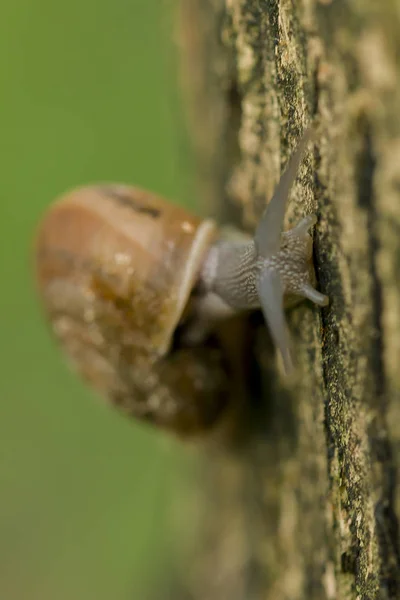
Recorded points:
(304,506)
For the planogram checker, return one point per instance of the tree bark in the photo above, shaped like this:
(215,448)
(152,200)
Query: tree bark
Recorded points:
(303,507)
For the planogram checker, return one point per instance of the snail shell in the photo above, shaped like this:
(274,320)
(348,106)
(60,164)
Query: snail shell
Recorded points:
(116,268)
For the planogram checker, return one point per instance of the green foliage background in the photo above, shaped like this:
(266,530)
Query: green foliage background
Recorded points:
(88,92)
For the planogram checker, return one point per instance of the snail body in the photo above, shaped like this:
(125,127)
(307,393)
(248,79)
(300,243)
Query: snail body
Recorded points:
(121,271)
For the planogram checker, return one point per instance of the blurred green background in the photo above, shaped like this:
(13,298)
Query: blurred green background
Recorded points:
(88,92)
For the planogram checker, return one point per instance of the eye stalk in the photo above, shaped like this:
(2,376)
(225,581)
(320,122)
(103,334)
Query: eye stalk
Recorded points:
(268,233)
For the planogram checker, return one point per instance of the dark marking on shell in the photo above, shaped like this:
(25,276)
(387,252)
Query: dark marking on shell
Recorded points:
(125,199)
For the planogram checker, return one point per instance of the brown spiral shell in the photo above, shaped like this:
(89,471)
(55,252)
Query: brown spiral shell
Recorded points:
(116,267)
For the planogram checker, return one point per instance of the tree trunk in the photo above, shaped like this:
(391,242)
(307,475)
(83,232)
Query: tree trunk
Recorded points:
(304,506)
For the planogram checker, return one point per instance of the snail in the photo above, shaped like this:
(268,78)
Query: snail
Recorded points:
(128,280)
